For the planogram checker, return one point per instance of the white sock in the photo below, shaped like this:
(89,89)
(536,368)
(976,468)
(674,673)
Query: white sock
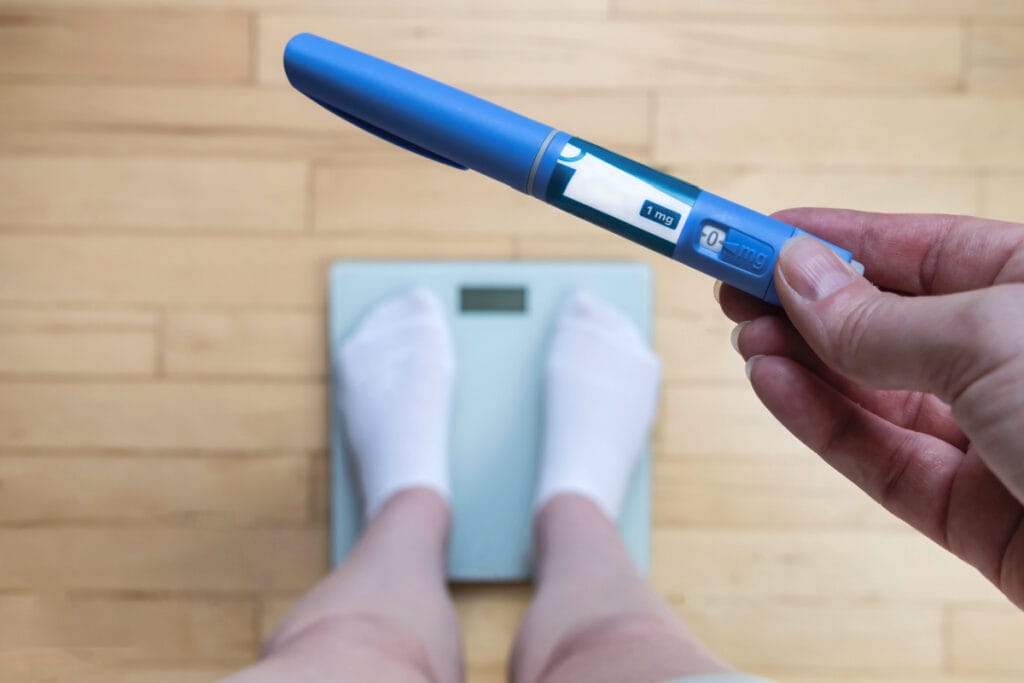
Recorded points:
(601,398)
(396,375)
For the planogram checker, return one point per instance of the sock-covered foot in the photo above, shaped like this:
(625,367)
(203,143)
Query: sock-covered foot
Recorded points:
(396,375)
(600,402)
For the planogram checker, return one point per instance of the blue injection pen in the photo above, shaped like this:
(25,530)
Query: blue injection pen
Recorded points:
(725,240)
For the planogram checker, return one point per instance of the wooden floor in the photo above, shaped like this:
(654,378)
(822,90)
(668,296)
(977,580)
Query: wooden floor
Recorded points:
(169,206)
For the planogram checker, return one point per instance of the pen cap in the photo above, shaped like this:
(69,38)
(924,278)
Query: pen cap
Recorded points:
(416,112)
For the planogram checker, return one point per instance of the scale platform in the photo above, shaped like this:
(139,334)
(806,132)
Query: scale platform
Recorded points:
(501,315)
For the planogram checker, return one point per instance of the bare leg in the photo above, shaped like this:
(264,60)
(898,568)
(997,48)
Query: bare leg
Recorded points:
(594,618)
(383,615)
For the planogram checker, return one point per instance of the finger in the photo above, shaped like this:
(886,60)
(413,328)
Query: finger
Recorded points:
(776,336)
(936,344)
(907,472)
(739,306)
(984,519)
(921,253)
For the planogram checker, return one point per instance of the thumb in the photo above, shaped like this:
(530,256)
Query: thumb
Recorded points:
(936,344)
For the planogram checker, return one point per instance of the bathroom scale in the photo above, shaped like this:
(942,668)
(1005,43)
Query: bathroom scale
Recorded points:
(501,316)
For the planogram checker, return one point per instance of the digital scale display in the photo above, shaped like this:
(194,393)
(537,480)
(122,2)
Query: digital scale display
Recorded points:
(492,299)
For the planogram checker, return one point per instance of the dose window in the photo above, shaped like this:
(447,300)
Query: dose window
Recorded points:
(712,237)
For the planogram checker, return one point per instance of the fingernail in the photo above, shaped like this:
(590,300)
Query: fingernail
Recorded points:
(718,291)
(749,366)
(811,269)
(734,336)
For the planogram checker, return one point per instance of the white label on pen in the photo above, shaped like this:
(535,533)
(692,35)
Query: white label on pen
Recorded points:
(616,193)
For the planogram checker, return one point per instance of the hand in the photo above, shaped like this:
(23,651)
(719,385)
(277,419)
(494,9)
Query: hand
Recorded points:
(916,394)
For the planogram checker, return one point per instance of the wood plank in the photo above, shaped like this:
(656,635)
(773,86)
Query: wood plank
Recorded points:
(845,564)
(184,120)
(59,341)
(359,198)
(688,292)
(387,8)
(174,106)
(834,131)
(717,492)
(185,143)
(534,53)
(986,639)
(124,46)
(127,490)
(611,117)
(202,271)
(695,347)
(171,120)
(145,626)
(200,673)
(257,271)
(320,485)
(722,420)
(876,189)
(260,121)
(996,57)
(489,617)
(161,559)
(238,416)
(1003,197)
(764,634)
(486,674)
(97,666)
(251,343)
(64,319)
(815,9)
(776,561)
(159,194)
(50,663)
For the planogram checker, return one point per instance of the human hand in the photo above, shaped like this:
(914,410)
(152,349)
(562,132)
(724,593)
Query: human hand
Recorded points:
(916,394)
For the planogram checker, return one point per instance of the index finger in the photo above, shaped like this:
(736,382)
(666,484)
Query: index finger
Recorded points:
(920,253)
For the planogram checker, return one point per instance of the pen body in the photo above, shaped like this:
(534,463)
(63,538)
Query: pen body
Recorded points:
(725,240)
(721,238)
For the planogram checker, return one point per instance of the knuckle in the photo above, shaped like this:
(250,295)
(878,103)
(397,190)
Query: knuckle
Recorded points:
(982,339)
(980,324)
(991,410)
(849,341)
(894,477)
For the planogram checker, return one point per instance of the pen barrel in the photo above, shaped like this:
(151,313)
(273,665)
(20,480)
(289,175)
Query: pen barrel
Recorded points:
(674,218)
(416,112)
(718,237)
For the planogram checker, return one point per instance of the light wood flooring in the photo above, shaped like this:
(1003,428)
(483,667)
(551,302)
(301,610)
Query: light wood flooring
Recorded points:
(169,206)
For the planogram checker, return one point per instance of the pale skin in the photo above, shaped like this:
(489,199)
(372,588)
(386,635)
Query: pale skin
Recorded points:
(917,397)
(385,613)
(915,394)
